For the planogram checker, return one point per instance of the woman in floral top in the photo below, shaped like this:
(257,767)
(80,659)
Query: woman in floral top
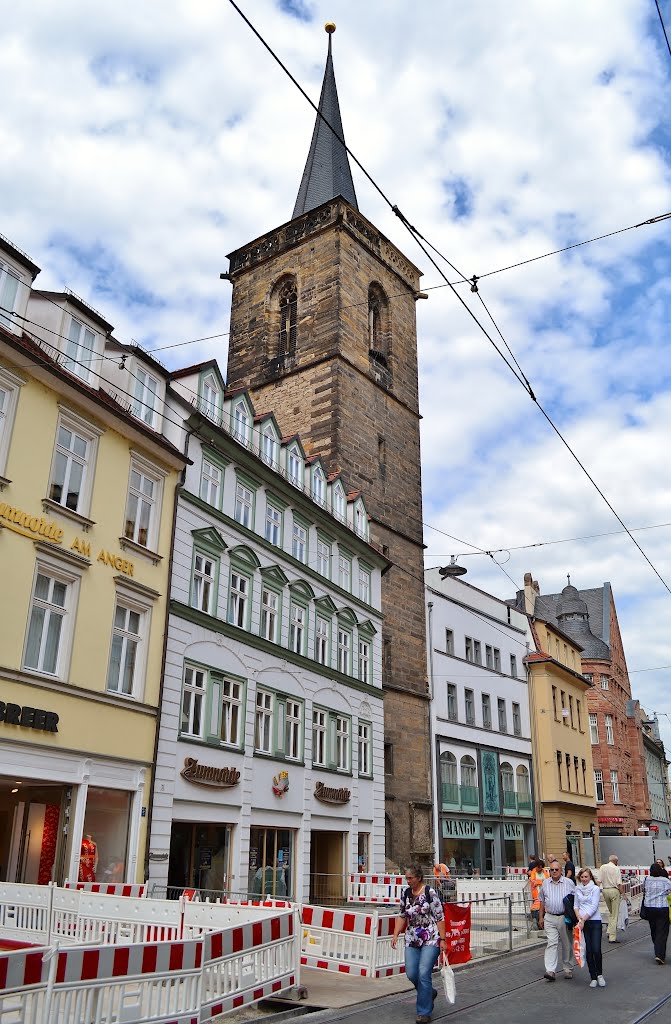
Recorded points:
(422,919)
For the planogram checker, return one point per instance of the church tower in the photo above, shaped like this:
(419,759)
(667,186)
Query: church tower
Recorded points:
(323,333)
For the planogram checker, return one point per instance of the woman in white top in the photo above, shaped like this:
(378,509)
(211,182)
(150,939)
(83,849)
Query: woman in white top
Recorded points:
(656,894)
(586,906)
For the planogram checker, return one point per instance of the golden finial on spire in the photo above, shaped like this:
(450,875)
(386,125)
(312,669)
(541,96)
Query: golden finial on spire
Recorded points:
(330,27)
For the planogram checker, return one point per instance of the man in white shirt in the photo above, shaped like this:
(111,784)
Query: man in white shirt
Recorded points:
(551,917)
(610,877)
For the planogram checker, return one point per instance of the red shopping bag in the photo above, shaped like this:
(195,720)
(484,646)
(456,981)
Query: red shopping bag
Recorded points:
(458,932)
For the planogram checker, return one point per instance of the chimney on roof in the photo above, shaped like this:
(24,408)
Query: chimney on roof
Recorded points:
(531,591)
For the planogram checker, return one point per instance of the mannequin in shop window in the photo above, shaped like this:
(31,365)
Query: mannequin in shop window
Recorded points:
(88,859)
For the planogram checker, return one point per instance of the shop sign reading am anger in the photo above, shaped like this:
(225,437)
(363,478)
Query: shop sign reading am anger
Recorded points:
(38,527)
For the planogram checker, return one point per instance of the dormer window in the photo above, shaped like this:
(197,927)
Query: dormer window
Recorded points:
(241,423)
(295,467)
(79,349)
(288,299)
(211,397)
(338,501)
(146,397)
(360,521)
(318,485)
(9,286)
(269,447)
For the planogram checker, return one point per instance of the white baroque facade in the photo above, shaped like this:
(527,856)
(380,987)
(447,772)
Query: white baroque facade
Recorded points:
(269,773)
(480,727)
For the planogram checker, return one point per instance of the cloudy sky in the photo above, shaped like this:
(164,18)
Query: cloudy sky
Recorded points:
(141,142)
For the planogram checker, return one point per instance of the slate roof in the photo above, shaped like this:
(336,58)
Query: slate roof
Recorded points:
(327,172)
(593,636)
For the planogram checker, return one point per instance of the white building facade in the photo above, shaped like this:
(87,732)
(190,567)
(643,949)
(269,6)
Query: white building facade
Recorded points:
(480,726)
(270,773)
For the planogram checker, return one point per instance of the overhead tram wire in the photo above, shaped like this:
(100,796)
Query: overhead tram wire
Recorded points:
(661,20)
(477,549)
(423,244)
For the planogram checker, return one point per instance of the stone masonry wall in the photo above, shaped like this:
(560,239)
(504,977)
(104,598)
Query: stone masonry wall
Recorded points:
(367,428)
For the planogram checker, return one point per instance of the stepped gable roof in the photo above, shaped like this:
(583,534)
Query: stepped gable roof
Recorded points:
(580,614)
(327,171)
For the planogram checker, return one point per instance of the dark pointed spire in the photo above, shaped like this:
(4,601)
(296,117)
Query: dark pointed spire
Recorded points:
(327,172)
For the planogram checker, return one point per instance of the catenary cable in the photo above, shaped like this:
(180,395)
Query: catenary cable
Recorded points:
(424,247)
(661,21)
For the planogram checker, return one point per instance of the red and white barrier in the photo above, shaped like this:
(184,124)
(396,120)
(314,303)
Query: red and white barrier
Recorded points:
(375,888)
(249,962)
(83,917)
(159,983)
(350,942)
(517,871)
(172,982)
(25,912)
(109,888)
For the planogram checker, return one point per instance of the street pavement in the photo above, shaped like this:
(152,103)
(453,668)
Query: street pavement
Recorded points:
(511,990)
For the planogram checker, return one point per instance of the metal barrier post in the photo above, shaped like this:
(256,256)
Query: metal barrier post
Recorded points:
(373,946)
(510,923)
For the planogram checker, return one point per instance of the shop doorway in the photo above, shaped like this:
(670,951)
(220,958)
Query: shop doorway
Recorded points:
(33,837)
(199,857)
(327,867)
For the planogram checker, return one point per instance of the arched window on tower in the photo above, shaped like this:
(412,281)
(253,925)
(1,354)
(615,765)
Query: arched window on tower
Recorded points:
(378,333)
(288,301)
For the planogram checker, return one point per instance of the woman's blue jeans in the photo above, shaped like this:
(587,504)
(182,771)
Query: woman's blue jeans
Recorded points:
(419,963)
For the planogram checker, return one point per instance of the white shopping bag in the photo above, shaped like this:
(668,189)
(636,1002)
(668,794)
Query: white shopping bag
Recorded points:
(623,916)
(447,974)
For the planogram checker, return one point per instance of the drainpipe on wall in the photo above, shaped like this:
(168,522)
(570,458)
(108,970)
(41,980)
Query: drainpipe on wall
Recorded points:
(150,803)
(434,763)
(536,775)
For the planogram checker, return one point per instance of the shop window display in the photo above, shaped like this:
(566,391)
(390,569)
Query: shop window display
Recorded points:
(271,858)
(104,847)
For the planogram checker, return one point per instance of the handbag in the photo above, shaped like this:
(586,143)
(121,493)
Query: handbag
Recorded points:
(447,974)
(570,916)
(643,912)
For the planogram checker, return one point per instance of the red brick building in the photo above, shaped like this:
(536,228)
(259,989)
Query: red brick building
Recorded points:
(620,779)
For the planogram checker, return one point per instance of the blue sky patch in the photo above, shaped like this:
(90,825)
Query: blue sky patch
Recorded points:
(296,9)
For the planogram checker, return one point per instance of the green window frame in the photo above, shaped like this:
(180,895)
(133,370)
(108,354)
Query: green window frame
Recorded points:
(240,596)
(344,571)
(213,706)
(337,744)
(300,534)
(218,463)
(244,500)
(274,524)
(279,725)
(204,584)
(324,556)
(208,544)
(365,582)
(365,748)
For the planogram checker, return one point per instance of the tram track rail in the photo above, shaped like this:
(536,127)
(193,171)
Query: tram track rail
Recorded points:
(654,1014)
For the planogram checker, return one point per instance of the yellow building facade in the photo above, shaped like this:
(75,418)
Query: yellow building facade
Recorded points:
(87,491)
(565,797)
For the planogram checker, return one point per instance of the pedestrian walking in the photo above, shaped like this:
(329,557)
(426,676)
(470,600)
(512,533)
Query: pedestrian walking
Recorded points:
(610,877)
(537,876)
(533,857)
(422,919)
(660,861)
(656,891)
(569,866)
(551,896)
(586,907)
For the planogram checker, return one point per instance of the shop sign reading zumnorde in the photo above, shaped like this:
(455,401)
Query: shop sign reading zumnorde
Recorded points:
(207,775)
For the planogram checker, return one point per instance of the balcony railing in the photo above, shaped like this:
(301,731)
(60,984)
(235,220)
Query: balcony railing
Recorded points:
(454,797)
(509,800)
